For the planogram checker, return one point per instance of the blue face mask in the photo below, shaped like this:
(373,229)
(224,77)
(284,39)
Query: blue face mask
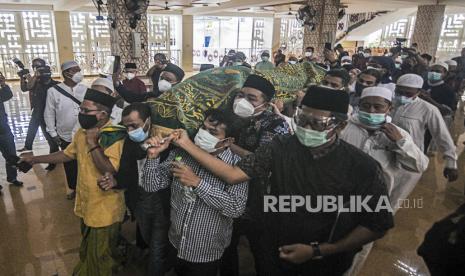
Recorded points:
(434,76)
(403,100)
(311,138)
(138,135)
(371,119)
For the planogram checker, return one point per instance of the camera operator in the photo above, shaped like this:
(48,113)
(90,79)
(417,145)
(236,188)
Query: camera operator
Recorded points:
(7,143)
(37,87)
(412,63)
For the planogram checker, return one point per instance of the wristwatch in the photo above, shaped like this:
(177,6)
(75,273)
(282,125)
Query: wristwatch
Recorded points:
(316,251)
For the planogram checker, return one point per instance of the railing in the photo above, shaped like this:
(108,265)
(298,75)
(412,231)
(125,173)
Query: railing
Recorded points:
(215,55)
(10,70)
(91,62)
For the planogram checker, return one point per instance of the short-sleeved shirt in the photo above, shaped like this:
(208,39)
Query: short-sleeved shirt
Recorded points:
(96,207)
(341,170)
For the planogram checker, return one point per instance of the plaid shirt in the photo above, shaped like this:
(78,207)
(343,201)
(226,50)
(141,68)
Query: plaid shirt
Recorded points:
(201,219)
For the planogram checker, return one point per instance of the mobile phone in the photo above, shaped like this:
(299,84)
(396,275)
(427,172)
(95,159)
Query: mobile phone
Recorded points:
(328,46)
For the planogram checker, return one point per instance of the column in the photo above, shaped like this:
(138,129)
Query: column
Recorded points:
(64,37)
(187,58)
(276,38)
(326,24)
(121,35)
(427,29)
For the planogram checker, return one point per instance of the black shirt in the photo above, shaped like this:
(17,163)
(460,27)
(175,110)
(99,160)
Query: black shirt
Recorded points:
(127,176)
(444,94)
(39,94)
(340,170)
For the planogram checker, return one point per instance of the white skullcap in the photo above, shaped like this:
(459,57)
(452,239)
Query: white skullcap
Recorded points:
(377,91)
(410,80)
(68,64)
(346,58)
(104,82)
(451,62)
(441,63)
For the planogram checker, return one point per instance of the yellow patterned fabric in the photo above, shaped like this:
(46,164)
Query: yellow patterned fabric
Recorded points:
(184,105)
(96,207)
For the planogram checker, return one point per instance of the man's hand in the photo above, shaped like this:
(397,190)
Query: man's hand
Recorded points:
(391,132)
(296,253)
(185,174)
(28,159)
(181,138)
(92,136)
(451,174)
(107,182)
(158,145)
(57,140)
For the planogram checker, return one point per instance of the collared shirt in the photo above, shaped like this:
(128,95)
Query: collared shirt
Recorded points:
(201,218)
(418,116)
(61,113)
(393,157)
(96,207)
(261,130)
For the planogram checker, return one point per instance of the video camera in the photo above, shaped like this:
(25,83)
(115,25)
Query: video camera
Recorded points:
(23,71)
(45,73)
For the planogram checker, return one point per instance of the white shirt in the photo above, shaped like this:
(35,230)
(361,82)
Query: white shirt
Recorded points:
(420,115)
(61,113)
(394,157)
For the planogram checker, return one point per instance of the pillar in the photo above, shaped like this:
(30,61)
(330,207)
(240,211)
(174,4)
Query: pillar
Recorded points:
(63,36)
(427,29)
(276,38)
(121,38)
(187,56)
(326,24)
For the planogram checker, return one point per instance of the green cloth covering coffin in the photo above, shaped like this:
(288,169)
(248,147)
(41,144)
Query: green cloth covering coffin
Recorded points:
(184,105)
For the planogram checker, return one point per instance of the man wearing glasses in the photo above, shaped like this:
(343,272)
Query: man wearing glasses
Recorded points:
(313,162)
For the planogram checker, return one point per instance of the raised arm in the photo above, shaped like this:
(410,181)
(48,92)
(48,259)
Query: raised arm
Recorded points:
(229,174)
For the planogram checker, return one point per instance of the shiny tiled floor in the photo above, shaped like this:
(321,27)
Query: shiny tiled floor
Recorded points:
(39,234)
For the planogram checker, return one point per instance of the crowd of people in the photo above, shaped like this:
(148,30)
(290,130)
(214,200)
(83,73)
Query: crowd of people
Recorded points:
(365,131)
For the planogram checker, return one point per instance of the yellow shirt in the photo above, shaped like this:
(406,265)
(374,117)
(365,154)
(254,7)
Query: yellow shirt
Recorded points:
(96,207)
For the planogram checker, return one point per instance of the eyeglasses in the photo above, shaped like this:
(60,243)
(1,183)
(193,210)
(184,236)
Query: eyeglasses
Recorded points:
(86,111)
(318,123)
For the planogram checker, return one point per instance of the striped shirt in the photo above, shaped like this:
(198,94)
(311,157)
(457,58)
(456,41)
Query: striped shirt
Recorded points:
(201,218)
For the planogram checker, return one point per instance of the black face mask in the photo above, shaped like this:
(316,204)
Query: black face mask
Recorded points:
(87,121)
(359,88)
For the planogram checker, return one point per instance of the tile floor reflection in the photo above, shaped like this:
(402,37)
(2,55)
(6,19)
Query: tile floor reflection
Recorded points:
(39,234)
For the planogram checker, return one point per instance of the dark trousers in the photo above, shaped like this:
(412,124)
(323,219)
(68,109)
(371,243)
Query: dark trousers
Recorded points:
(152,216)
(37,120)
(8,149)
(428,139)
(71,168)
(185,268)
(252,229)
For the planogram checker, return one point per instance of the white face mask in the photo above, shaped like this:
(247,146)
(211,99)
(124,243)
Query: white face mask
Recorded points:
(164,85)
(244,108)
(308,54)
(130,76)
(292,62)
(367,55)
(206,141)
(78,77)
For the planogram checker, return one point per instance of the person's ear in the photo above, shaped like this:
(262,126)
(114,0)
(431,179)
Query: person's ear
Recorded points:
(225,143)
